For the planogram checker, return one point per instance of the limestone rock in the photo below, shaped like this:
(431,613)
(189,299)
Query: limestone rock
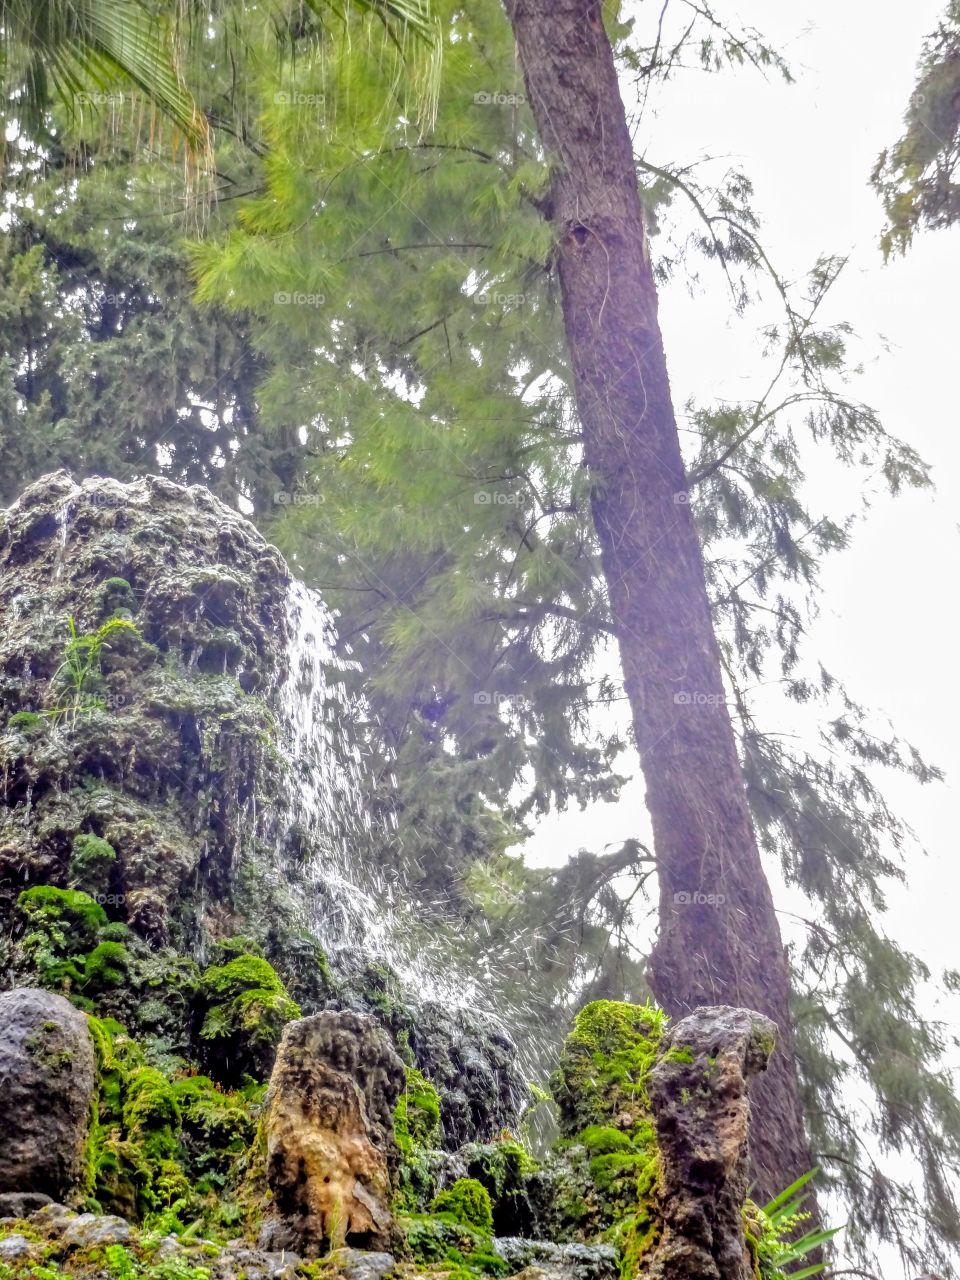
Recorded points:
(20,1204)
(572,1261)
(90,1229)
(176,709)
(329,1133)
(361,1264)
(47,1080)
(464,1053)
(15,1247)
(698,1092)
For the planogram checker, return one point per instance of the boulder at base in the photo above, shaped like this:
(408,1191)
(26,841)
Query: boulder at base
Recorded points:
(47,1079)
(329,1134)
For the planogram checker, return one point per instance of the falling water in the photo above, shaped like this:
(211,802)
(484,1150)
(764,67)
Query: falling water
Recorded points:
(357,909)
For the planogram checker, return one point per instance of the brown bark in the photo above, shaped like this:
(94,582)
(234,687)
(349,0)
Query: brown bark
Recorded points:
(728,952)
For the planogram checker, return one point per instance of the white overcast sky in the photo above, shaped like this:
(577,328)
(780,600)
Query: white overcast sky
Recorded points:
(889,611)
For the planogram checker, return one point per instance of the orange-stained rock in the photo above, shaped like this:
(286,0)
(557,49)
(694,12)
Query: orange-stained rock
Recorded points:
(328,1119)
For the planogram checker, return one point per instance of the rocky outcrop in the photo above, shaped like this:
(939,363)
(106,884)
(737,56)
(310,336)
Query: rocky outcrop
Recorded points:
(151,734)
(47,1080)
(699,1097)
(328,1127)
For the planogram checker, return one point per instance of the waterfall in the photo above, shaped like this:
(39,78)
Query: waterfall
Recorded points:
(359,909)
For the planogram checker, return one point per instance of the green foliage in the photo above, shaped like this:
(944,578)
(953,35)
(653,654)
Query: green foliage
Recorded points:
(63,927)
(246,1008)
(416,1119)
(469,1202)
(601,1140)
(416,1125)
(159,1146)
(23,721)
(917,177)
(441,1238)
(79,674)
(91,861)
(502,1167)
(773,1236)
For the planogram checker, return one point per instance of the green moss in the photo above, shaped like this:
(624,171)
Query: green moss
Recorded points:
(440,1238)
(682,1053)
(91,861)
(247,1007)
(501,1166)
(62,925)
(416,1124)
(604,1064)
(216,1128)
(416,1119)
(26,721)
(601,1140)
(469,1202)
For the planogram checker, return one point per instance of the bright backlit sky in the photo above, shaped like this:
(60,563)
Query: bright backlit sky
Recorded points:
(889,611)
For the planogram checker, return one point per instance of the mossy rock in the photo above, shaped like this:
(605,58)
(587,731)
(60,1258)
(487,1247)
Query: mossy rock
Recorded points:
(601,1079)
(440,1238)
(416,1120)
(469,1202)
(246,1008)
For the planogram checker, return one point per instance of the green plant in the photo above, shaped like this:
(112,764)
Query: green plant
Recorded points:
(64,925)
(416,1119)
(80,668)
(771,1234)
(247,1007)
(602,1074)
(25,720)
(91,859)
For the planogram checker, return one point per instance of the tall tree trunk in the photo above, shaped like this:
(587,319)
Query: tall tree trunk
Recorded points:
(726,950)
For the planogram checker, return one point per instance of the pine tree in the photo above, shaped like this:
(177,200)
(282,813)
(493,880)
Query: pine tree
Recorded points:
(917,177)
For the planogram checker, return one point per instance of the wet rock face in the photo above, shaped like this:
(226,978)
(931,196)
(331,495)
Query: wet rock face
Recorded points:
(151,738)
(47,1081)
(464,1054)
(699,1096)
(473,1063)
(328,1124)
